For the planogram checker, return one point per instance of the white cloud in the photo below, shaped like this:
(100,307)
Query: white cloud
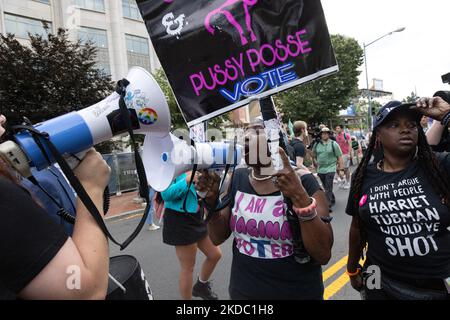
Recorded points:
(410,60)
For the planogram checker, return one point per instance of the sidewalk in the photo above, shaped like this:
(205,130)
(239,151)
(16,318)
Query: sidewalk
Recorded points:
(123,204)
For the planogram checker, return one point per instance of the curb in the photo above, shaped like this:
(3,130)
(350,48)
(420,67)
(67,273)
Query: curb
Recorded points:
(124,215)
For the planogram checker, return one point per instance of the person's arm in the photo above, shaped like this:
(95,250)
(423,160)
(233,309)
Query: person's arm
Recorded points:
(177,190)
(300,152)
(218,227)
(86,254)
(354,254)
(435,108)
(350,146)
(314,155)
(316,234)
(339,159)
(340,163)
(434,133)
(299,161)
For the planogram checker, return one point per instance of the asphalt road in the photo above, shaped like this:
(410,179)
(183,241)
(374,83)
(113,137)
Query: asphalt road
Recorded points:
(161,266)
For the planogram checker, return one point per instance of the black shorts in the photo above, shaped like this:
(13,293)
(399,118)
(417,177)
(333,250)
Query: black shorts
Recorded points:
(181,229)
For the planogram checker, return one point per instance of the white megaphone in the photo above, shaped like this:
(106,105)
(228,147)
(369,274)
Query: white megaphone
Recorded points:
(76,132)
(168,157)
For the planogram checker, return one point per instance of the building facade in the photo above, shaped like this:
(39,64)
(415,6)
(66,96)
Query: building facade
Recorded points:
(115,27)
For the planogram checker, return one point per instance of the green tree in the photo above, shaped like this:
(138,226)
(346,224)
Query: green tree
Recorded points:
(49,77)
(411,98)
(376,106)
(175,113)
(320,100)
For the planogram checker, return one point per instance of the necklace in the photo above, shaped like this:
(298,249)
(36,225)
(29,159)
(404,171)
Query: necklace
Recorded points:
(252,173)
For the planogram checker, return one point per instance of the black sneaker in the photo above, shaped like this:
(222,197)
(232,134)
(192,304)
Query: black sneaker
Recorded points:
(203,290)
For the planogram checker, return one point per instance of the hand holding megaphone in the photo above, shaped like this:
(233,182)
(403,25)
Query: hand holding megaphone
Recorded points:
(206,181)
(93,173)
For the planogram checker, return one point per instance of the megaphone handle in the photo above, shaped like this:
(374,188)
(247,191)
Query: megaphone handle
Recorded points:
(74,160)
(202,194)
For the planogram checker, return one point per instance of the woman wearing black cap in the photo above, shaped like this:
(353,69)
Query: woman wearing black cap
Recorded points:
(401,209)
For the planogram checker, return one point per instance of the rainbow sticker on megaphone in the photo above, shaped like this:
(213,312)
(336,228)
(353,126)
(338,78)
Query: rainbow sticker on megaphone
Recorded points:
(147,116)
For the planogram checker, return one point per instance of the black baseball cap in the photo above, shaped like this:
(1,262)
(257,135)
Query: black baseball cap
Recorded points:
(396,106)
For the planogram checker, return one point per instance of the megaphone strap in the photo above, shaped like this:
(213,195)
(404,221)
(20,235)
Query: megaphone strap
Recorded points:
(143,184)
(194,170)
(81,192)
(62,212)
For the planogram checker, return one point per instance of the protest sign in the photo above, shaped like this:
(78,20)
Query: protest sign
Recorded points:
(220,54)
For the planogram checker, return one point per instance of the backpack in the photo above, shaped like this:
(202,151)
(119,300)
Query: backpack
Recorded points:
(290,151)
(294,141)
(345,136)
(332,146)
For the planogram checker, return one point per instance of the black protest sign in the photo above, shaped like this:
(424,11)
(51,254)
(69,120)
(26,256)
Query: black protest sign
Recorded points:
(220,54)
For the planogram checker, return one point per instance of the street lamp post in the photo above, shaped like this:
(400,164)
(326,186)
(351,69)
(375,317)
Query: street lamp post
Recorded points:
(369,95)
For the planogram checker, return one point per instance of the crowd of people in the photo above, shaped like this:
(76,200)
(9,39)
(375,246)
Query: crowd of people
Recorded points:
(279,220)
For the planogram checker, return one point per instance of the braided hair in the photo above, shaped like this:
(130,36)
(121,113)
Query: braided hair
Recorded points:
(433,169)
(427,162)
(356,187)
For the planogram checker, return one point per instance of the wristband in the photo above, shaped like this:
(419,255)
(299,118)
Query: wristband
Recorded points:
(446,119)
(307,211)
(352,274)
(308,218)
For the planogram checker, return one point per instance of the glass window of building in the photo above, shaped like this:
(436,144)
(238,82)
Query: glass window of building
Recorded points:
(97,36)
(99,39)
(97,5)
(43,1)
(138,52)
(131,10)
(20,26)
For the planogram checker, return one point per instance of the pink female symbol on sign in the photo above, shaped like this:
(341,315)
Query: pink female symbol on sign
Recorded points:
(227,13)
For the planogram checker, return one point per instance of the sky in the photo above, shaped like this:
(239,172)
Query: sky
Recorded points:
(410,61)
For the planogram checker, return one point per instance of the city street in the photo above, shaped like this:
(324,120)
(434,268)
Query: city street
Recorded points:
(109,105)
(161,266)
